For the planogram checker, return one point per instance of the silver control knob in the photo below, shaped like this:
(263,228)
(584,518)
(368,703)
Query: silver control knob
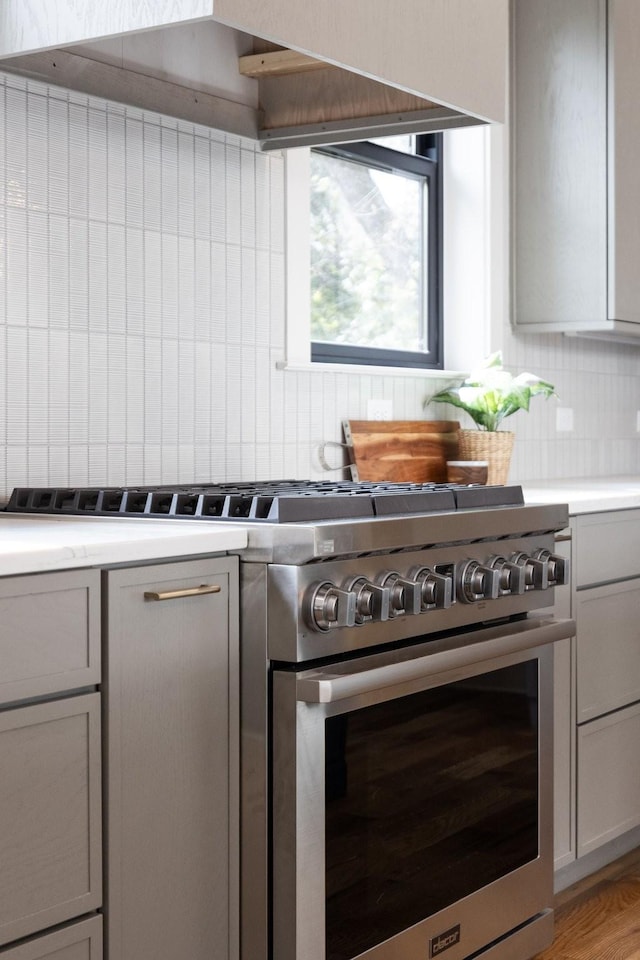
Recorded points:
(536,571)
(436,590)
(557,567)
(372,600)
(511,576)
(476,581)
(327,607)
(404,594)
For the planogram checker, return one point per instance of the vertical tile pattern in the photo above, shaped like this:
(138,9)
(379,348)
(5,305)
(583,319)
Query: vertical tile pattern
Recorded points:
(142,293)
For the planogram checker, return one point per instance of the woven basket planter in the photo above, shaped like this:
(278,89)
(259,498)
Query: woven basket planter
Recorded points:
(493,446)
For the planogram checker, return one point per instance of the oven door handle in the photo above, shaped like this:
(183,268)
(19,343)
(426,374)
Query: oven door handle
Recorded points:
(356,677)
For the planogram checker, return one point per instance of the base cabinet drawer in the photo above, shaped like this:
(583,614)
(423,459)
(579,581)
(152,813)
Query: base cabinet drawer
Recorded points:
(608,778)
(78,941)
(607,547)
(49,633)
(608,661)
(50,809)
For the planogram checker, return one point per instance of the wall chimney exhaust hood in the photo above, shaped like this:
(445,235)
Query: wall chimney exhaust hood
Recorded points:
(280,72)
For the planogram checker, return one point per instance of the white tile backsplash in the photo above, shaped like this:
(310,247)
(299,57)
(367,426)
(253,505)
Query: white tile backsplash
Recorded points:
(142,298)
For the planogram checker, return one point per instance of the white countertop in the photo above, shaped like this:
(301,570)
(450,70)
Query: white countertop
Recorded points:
(32,544)
(586,495)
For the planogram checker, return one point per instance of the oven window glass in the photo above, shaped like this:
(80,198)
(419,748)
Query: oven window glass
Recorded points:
(428,798)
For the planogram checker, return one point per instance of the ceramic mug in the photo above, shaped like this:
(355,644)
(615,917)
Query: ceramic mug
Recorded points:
(467,471)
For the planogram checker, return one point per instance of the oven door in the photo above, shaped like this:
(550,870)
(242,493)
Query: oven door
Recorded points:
(412,799)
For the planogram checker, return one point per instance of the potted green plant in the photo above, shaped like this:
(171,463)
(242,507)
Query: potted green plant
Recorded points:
(489,395)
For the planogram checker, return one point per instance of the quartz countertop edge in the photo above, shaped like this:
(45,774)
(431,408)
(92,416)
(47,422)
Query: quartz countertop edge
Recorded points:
(586,495)
(36,544)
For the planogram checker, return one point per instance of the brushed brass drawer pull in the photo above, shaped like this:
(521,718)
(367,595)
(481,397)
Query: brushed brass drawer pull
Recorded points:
(200,591)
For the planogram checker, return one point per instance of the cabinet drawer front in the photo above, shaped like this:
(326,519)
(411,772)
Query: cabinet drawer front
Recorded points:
(608,778)
(49,633)
(79,941)
(50,837)
(608,658)
(607,547)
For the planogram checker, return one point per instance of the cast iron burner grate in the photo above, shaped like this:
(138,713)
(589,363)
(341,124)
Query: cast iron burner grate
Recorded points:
(277,501)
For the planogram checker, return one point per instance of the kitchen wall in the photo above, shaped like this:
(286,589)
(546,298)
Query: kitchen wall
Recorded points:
(600,382)
(142,290)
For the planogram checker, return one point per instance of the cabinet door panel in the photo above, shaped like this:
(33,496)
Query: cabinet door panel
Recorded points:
(172,774)
(608,778)
(49,633)
(50,839)
(559,127)
(79,941)
(608,651)
(624,131)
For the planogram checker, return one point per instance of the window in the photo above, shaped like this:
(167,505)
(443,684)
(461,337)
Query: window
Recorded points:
(474,257)
(376,252)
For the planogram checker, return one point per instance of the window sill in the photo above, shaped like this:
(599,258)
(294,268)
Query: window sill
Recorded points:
(298,366)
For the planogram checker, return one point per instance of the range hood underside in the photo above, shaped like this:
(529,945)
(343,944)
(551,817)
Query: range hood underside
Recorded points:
(296,101)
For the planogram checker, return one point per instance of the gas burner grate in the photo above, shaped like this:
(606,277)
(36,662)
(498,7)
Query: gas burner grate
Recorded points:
(274,501)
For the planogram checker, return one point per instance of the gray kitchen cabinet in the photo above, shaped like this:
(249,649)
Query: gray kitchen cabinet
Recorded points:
(607,615)
(608,778)
(172,761)
(49,633)
(78,941)
(608,648)
(575,190)
(50,830)
(608,547)
(50,755)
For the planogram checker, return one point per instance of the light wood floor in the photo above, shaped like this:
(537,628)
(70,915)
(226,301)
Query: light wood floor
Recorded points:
(599,917)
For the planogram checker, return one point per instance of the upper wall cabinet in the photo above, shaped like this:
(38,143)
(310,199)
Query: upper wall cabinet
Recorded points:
(575,187)
(279,70)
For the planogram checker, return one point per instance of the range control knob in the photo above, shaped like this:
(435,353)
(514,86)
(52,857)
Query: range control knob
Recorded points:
(477,581)
(372,600)
(404,594)
(536,570)
(511,576)
(326,606)
(436,590)
(557,567)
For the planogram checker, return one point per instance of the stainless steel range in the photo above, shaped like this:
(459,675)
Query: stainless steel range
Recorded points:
(396,712)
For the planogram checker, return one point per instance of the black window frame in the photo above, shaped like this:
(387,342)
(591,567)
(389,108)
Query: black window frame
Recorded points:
(427,163)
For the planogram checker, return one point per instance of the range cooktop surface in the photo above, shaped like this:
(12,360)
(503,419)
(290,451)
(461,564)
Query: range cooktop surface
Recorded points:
(278,501)
(302,521)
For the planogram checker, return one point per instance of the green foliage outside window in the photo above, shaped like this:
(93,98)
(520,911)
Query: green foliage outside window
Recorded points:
(367,255)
